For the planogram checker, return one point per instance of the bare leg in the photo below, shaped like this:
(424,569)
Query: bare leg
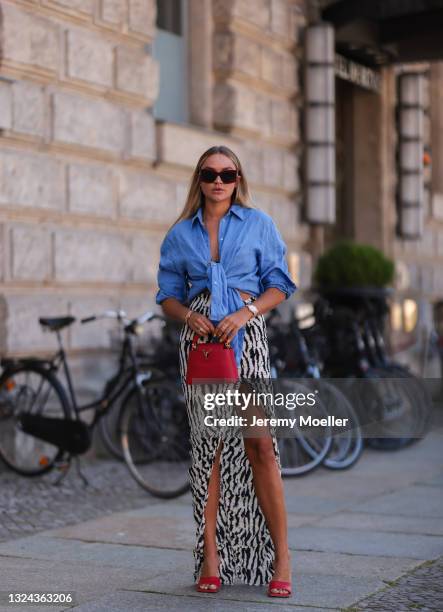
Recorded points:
(268,487)
(211,560)
(270,494)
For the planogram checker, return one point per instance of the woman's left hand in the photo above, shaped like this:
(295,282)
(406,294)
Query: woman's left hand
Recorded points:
(229,326)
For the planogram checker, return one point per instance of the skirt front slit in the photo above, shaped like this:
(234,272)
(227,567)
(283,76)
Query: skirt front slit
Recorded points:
(244,544)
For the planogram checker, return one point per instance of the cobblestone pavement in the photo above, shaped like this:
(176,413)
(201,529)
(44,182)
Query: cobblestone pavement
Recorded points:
(421,589)
(30,505)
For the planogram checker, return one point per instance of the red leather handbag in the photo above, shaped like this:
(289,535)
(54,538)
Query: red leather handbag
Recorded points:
(211,361)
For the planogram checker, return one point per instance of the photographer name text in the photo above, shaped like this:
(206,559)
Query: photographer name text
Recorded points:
(302,421)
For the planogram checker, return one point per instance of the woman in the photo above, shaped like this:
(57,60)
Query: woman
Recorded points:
(222,267)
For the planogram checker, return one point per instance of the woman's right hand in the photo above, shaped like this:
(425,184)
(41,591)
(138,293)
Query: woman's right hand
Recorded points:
(200,324)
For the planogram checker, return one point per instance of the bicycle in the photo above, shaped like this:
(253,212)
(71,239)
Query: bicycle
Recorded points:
(379,359)
(34,401)
(387,412)
(161,361)
(293,358)
(302,451)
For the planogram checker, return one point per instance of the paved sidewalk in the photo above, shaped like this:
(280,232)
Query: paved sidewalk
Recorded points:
(361,540)
(29,506)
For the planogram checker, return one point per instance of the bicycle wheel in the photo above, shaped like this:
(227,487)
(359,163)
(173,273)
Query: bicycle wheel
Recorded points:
(29,388)
(155,438)
(387,412)
(420,396)
(108,427)
(347,445)
(303,448)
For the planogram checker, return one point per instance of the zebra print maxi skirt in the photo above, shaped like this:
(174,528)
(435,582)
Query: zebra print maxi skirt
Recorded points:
(244,544)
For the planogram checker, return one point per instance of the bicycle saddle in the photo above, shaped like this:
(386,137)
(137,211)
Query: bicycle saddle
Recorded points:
(56,323)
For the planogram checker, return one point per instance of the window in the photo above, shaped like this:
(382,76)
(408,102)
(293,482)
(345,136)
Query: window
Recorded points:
(170,50)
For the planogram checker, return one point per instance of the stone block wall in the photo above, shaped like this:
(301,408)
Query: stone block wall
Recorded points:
(79,196)
(256,61)
(90,182)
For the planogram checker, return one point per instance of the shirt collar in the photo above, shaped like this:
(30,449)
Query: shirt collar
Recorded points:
(236,209)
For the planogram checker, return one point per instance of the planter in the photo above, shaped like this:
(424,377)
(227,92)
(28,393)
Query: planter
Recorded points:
(360,298)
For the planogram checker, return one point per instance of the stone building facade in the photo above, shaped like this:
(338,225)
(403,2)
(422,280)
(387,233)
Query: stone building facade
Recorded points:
(91,176)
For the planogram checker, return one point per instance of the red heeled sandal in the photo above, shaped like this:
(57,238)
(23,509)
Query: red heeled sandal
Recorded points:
(280,584)
(214,580)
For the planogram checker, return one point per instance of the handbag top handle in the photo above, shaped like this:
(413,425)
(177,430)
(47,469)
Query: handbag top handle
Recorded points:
(197,336)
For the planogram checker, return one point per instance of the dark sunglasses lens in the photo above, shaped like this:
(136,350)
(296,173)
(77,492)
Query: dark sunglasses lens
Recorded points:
(228,176)
(209,176)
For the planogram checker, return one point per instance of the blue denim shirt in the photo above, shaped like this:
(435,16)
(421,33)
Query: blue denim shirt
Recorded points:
(252,259)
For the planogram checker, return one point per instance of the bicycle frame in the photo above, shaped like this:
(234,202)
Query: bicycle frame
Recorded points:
(114,387)
(307,367)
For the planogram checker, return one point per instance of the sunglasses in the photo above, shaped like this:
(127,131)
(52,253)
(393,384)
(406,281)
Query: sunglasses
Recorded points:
(227,176)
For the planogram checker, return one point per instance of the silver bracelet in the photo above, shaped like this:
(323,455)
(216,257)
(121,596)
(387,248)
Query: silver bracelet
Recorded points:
(255,311)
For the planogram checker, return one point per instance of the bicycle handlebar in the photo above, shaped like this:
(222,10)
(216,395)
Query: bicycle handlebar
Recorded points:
(107,314)
(88,319)
(122,317)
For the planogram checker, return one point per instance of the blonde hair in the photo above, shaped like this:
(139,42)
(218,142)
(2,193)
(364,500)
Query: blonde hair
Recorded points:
(195,197)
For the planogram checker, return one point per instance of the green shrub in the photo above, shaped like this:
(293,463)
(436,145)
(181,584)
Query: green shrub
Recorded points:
(349,264)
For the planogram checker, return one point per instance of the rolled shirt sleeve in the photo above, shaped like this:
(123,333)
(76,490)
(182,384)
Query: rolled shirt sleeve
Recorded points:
(273,265)
(171,279)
